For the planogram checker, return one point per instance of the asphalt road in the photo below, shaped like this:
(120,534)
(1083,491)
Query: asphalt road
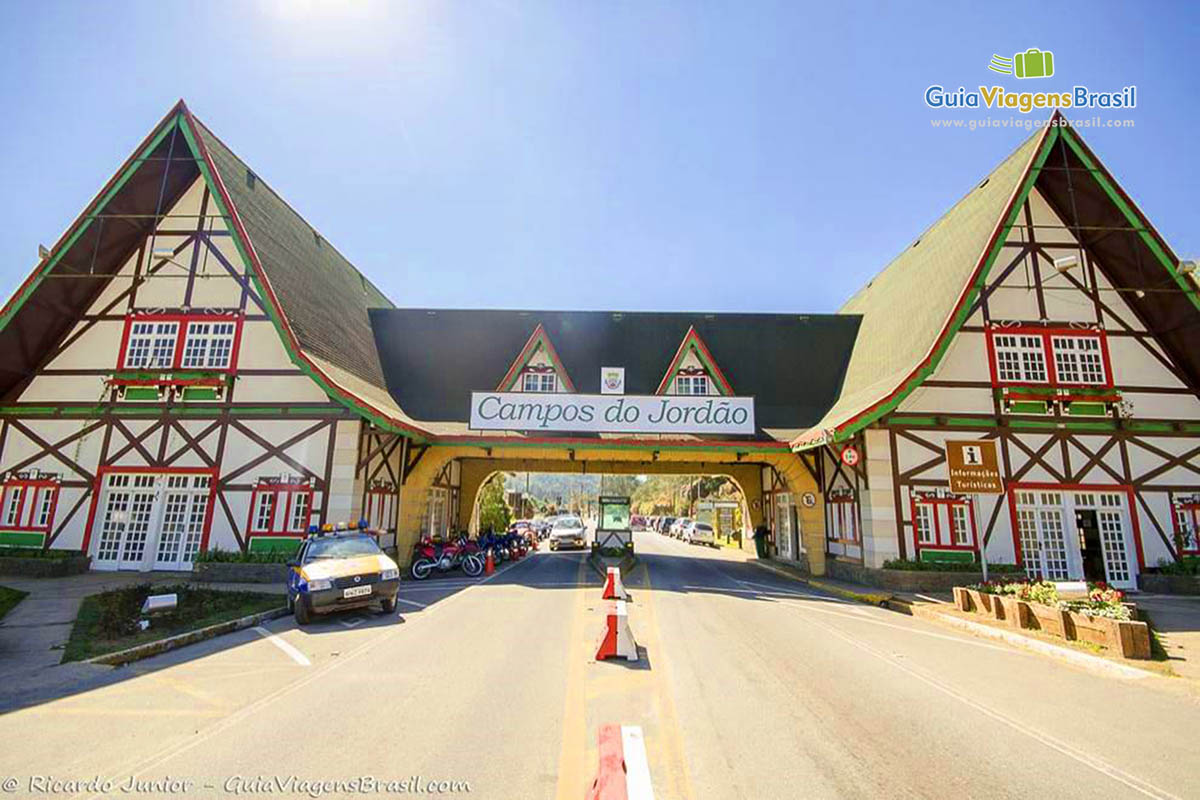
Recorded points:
(749,686)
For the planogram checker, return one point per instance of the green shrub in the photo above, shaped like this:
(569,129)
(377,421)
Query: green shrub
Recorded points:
(942,566)
(217,555)
(37,552)
(1190,565)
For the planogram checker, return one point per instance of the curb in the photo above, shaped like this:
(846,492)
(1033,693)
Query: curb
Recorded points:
(154,648)
(870,598)
(1090,663)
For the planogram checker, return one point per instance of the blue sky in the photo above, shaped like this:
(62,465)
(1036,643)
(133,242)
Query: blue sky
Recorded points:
(746,156)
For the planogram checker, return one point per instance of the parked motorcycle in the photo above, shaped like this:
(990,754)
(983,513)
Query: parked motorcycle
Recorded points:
(429,556)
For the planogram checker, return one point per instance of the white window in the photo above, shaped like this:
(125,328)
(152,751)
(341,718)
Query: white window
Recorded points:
(960,524)
(545,382)
(264,512)
(12,508)
(1078,359)
(436,511)
(924,523)
(45,507)
(301,505)
(1020,358)
(151,345)
(209,345)
(691,384)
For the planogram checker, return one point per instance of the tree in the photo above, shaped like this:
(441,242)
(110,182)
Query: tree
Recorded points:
(494,513)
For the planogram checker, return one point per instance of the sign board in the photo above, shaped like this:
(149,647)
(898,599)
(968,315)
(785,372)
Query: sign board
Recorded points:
(850,455)
(974,467)
(612,380)
(600,413)
(808,499)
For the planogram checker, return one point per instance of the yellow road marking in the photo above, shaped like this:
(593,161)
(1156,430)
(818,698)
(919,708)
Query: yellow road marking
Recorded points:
(667,725)
(571,775)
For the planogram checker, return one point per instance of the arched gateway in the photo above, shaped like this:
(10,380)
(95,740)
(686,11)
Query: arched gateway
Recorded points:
(192,366)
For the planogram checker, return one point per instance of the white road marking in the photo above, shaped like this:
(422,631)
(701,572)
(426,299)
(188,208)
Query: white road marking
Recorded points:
(637,767)
(410,602)
(295,654)
(932,599)
(863,616)
(1088,760)
(350,623)
(792,591)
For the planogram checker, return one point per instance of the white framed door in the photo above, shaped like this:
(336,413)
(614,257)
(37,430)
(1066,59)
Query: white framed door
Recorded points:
(1056,534)
(184,511)
(127,509)
(784,534)
(148,520)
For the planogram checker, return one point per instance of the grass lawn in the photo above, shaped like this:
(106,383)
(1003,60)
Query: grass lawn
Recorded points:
(107,621)
(9,598)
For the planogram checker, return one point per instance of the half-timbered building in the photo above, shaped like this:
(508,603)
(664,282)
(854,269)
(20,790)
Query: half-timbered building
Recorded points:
(1044,312)
(193,365)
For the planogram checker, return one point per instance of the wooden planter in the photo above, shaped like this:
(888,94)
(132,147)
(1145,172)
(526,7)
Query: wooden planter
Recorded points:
(1011,611)
(1048,619)
(977,601)
(1130,638)
(1127,637)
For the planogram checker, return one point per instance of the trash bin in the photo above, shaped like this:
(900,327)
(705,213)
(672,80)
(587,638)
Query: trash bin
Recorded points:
(760,540)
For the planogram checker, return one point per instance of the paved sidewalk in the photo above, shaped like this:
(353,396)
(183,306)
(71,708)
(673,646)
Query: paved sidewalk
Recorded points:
(33,633)
(1176,620)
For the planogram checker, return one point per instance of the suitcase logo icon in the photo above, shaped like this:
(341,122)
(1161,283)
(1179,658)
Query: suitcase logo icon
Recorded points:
(1033,63)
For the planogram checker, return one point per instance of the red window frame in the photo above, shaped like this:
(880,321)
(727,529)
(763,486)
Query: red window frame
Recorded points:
(1012,489)
(377,497)
(1188,508)
(185,321)
(1047,335)
(917,499)
(104,472)
(844,505)
(28,509)
(279,524)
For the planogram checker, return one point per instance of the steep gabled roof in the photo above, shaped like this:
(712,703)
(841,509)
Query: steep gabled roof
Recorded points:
(324,297)
(316,298)
(912,308)
(791,363)
(692,343)
(538,340)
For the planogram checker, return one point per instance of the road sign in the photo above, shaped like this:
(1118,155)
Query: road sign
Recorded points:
(974,467)
(850,456)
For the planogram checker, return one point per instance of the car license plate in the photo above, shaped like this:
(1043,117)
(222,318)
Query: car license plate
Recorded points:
(356,591)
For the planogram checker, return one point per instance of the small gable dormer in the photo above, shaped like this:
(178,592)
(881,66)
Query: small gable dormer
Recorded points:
(537,368)
(693,371)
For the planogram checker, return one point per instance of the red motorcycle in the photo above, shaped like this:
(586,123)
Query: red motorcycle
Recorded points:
(429,555)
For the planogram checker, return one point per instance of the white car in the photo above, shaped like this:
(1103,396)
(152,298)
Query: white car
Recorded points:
(678,526)
(568,532)
(700,533)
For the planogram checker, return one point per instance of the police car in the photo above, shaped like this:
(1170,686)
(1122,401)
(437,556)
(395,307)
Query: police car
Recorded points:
(339,569)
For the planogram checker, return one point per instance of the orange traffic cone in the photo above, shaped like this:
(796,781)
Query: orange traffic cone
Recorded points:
(489,565)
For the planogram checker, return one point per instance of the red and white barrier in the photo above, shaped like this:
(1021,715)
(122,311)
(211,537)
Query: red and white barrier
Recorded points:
(623,772)
(613,588)
(617,640)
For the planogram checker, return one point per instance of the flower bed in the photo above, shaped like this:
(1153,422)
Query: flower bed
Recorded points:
(1101,617)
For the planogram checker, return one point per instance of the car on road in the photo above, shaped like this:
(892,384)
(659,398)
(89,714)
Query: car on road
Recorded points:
(637,522)
(677,527)
(700,533)
(568,531)
(340,570)
(664,525)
